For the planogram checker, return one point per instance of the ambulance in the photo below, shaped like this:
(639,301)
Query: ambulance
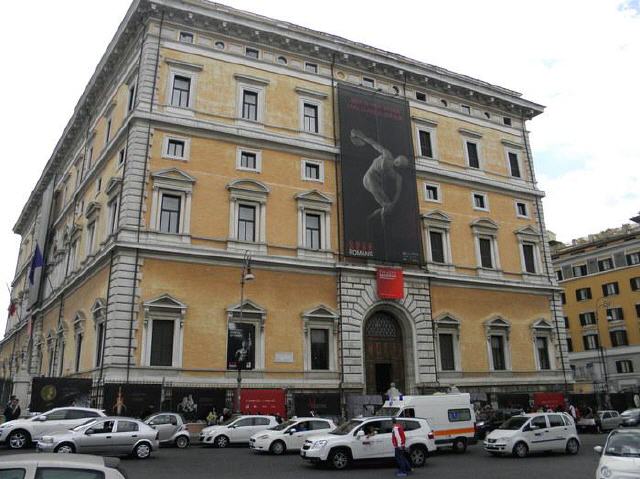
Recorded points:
(451,416)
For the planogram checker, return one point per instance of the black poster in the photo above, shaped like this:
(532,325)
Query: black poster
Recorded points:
(241,340)
(326,405)
(132,400)
(6,387)
(379,194)
(197,403)
(47,393)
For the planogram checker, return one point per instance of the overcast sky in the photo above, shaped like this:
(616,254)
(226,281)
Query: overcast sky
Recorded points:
(579,58)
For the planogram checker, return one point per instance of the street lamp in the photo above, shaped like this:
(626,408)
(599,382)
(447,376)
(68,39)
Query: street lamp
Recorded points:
(241,354)
(603,302)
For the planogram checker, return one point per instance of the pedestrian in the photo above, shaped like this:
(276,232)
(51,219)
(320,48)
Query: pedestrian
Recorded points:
(399,441)
(393,392)
(573,412)
(12,411)
(212,417)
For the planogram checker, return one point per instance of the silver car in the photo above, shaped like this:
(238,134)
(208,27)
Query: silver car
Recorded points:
(110,435)
(171,428)
(53,466)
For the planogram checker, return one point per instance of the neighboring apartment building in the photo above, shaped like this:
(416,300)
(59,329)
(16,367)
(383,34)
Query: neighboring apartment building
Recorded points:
(601,300)
(207,132)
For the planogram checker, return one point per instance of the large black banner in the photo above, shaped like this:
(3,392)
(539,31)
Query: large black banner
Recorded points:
(132,400)
(241,339)
(47,393)
(379,194)
(197,403)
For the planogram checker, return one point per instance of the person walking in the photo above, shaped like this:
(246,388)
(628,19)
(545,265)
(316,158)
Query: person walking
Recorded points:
(399,441)
(12,411)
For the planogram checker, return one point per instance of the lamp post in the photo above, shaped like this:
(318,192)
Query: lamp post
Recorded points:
(603,302)
(241,355)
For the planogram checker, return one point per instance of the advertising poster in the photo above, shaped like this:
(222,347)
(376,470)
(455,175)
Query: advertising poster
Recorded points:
(197,403)
(47,393)
(324,405)
(133,400)
(241,345)
(379,193)
(263,401)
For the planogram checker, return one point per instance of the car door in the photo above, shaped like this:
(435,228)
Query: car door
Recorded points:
(55,420)
(97,438)
(162,423)
(303,430)
(536,432)
(558,432)
(259,424)
(377,440)
(125,436)
(240,431)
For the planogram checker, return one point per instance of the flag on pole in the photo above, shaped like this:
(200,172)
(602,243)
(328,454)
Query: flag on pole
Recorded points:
(36,262)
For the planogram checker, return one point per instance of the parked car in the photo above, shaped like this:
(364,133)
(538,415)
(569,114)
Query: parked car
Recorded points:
(631,418)
(109,435)
(53,466)
(490,420)
(171,428)
(369,438)
(536,432)
(237,429)
(290,435)
(20,433)
(601,421)
(620,456)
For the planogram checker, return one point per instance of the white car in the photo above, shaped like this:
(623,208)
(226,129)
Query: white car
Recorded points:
(237,429)
(20,433)
(536,432)
(290,435)
(55,466)
(369,438)
(620,455)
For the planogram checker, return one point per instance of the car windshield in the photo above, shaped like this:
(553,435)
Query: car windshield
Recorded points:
(282,426)
(230,420)
(514,423)
(388,411)
(86,423)
(346,428)
(623,444)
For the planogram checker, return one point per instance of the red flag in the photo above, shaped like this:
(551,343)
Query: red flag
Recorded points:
(12,308)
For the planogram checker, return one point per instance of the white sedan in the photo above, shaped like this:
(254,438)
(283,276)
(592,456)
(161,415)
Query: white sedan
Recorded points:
(620,455)
(289,435)
(237,429)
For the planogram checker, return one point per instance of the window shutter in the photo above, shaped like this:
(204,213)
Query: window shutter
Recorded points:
(616,288)
(619,260)
(592,266)
(567,272)
(588,293)
(604,290)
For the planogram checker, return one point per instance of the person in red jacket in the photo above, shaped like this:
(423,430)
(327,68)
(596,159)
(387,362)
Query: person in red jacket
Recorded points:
(399,441)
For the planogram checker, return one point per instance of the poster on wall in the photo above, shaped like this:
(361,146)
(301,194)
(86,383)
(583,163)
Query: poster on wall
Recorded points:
(241,345)
(322,404)
(133,400)
(263,401)
(379,193)
(197,403)
(47,393)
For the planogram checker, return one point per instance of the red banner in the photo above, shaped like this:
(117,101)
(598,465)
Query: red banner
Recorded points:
(390,283)
(548,400)
(263,401)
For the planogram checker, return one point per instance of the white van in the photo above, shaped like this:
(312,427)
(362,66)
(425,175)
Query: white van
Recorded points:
(451,416)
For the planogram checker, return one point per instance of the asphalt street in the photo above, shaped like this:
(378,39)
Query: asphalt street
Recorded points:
(238,462)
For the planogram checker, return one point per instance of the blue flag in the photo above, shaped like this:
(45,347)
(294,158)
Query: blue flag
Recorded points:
(36,262)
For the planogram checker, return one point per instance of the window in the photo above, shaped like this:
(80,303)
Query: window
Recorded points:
(555,420)
(181,91)
(320,349)
(563,298)
(247,223)
(103,427)
(310,67)
(514,164)
(580,270)
(583,294)
(498,353)
(542,346)
(459,415)
(605,264)
(250,105)
(465,109)
(127,426)
(590,342)
(312,231)
(162,343)
(281,60)
(67,473)
(432,192)
(107,135)
(486,252)
(566,322)
(219,45)
(368,82)
(420,96)
(610,289)
(521,211)
(186,37)
(473,159)
(162,334)
(73,254)
(638,310)
(506,120)
(175,148)
(99,343)
(312,170)
(528,253)
(121,156)
(425,143)
(447,355)
(79,338)
(619,338)
(635,283)
(248,161)
(615,314)
(98,185)
(569,345)
(559,276)
(170,213)
(12,473)
(112,216)
(480,201)
(132,97)
(91,237)
(310,118)
(633,259)
(436,246)
(587,319)
(252,53)
(624,367)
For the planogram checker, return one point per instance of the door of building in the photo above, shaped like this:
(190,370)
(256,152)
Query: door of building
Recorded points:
(384,353)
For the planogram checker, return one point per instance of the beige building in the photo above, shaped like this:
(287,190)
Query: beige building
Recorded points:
(208,132)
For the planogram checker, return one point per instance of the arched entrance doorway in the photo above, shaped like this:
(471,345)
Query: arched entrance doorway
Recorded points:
(384,353)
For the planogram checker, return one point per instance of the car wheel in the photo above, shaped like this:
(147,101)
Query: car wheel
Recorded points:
(142,450)
(573,447)
(182,442)
(221,441)
(19,439)
(277,448)
(459,445)
(339,459)
(418,456)
(521,449)
(65,448)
